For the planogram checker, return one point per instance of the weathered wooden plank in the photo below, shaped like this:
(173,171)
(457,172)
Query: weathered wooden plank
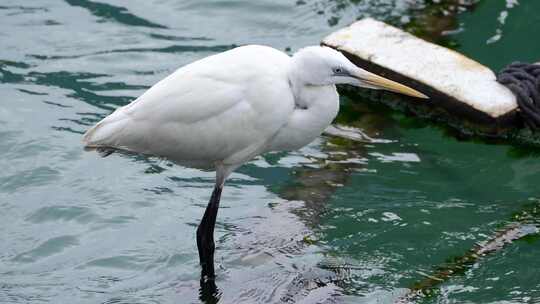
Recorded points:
(461,86)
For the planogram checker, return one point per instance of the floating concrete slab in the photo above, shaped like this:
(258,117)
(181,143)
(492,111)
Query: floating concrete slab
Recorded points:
(462,88)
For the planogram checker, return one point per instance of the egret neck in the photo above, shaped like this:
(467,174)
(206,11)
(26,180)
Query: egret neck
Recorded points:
(316,106)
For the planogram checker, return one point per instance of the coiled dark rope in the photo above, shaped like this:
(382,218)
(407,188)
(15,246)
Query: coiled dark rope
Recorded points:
(523,79)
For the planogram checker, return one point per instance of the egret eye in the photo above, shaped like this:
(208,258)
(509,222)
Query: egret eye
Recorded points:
(338,71)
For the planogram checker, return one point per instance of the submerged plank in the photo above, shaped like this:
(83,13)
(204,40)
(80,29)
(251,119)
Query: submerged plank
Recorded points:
(461,87)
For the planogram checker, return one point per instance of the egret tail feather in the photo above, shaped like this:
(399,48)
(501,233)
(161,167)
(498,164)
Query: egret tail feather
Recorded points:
(107,132)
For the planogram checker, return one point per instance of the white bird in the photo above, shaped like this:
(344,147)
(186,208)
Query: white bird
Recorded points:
(223,110)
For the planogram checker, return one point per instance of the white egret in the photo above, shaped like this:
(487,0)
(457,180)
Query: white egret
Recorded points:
(223,110)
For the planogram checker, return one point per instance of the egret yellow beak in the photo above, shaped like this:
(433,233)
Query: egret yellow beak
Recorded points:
(377,82)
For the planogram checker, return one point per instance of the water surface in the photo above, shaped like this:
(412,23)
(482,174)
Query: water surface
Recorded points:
(339,221)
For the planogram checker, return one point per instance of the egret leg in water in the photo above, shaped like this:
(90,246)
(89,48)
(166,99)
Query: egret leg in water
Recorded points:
(221,111)
(205,235)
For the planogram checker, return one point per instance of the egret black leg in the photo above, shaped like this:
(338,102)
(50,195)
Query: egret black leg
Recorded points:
(205,235)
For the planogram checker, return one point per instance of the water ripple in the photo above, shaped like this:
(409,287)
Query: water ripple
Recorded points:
(115,13)
(173,49)
(48,248)
(29,178)
(62,213)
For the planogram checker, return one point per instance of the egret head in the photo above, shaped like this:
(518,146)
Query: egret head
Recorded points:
(320,65)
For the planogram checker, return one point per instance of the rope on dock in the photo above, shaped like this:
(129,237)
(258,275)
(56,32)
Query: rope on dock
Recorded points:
(523,79)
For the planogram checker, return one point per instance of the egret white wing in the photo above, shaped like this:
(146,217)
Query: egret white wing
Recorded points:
(222,108)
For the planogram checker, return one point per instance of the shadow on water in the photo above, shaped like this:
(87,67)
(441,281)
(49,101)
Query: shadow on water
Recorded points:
(114,13)
(316,182)
(422,116)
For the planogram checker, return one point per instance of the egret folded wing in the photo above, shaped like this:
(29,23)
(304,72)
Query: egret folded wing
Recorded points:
(206,111)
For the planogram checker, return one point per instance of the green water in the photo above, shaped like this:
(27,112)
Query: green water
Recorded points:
(337,222)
